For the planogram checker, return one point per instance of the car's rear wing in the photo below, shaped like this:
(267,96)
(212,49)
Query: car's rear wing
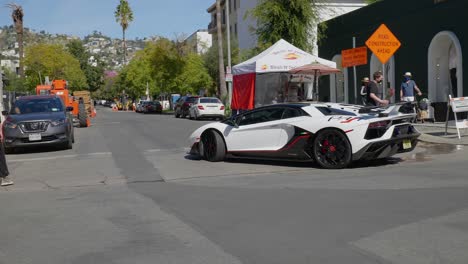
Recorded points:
(398,109)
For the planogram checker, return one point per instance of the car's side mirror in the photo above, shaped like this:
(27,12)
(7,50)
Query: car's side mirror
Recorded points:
(5,113)
(69,108)
(232,122)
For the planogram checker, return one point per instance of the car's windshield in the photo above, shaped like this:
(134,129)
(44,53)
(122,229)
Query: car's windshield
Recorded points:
(210,100)
(191,99)
(39,105)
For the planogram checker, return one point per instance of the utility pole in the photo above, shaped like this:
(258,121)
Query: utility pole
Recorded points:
(222,77)
(228,28)
(1,94)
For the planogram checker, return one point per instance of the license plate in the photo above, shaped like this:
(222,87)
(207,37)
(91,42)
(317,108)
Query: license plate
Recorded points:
(406,144)
(35,137)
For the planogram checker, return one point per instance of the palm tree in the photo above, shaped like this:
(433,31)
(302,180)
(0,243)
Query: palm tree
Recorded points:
(17,15)
(222,78)
(123,16)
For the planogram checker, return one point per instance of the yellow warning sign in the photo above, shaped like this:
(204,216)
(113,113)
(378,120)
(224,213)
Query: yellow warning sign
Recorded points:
(383,43)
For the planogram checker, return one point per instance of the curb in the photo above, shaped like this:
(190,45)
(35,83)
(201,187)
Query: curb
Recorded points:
(439,140)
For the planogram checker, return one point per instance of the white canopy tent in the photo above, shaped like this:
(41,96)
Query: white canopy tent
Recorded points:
(262,79)
(281,57)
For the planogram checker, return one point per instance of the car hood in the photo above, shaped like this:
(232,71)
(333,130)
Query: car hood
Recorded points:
(36,116)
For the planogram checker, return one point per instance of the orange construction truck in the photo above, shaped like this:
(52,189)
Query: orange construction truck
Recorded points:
(60,88)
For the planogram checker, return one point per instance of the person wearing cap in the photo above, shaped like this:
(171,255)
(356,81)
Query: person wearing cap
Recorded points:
(364,83)
(408,86)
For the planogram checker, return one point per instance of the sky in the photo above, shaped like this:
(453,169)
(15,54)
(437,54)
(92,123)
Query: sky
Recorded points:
(169,18)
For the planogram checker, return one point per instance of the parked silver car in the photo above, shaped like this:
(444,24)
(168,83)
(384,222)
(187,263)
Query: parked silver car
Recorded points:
(38,120)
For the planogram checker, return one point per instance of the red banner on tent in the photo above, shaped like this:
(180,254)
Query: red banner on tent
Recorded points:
(243,92)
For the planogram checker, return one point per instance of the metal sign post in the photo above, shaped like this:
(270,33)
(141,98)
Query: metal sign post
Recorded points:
(354,74)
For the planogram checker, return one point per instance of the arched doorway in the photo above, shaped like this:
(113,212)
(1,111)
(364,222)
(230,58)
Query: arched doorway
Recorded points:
(389,78)
(339,83)
(445,67)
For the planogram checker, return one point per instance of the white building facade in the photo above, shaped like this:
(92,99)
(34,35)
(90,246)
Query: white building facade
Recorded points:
(242,27)
(200,41)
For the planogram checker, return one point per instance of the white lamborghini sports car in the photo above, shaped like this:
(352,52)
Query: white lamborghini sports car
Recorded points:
(331,134)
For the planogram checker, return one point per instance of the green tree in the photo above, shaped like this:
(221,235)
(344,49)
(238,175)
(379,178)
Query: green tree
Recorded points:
(369,2)
(123,16)
(94,73)
(165,69)
(194,76)
(13,82)
(166,64)
(137,75)
(54,61)
(290,20)
(210,59)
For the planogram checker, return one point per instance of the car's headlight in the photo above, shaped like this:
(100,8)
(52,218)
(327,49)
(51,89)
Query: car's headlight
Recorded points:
(57,122)
(10,125)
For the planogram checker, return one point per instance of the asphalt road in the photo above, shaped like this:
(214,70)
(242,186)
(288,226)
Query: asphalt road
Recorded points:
(129,193)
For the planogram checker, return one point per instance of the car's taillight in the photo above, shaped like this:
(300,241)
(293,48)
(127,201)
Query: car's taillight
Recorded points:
(222,107)
(201,107)
(380,124)
(376,129)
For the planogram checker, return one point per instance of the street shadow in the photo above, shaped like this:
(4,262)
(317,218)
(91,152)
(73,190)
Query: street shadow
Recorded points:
(302,164)
(35,150)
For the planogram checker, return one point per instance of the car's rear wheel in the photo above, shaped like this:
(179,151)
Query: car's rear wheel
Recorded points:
(82,115)
(212,147)
(331,149)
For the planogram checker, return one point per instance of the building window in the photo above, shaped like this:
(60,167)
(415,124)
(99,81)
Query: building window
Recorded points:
(224,17)
(230,6)
(235,4)
(235,29)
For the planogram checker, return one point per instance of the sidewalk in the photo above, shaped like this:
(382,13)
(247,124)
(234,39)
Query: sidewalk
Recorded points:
(435,133)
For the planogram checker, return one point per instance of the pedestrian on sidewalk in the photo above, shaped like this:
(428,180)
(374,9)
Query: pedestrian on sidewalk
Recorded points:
(408,87)
(375,91)
(364,83)
(4,173)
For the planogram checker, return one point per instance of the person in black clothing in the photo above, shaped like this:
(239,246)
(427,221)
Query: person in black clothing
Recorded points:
(375,91)
(364,83)
(4,178)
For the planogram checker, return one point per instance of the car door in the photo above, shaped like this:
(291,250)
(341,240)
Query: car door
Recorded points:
(258,130)
(290,117)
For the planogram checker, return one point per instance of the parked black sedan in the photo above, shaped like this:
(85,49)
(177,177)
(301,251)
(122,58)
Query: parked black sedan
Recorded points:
(36,121)
(152,107)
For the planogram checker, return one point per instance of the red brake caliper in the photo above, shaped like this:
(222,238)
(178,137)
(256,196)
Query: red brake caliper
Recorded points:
(327,147)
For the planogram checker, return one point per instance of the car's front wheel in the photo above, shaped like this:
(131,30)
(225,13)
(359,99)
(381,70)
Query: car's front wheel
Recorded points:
(211,146)
(331,149)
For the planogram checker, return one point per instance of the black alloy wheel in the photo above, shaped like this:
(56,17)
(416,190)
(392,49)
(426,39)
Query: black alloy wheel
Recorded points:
(332,149)
(212,147)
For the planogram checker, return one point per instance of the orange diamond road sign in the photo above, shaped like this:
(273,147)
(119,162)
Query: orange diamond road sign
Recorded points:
(383,43)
